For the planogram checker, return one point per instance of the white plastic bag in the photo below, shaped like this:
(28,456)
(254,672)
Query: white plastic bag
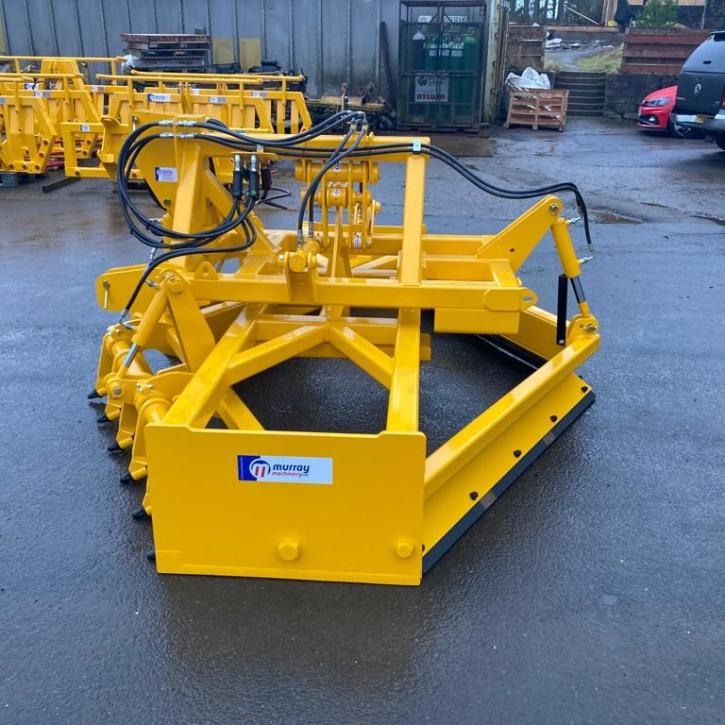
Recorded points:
(530,78)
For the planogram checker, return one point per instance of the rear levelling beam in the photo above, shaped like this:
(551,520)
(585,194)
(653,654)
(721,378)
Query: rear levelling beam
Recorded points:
(480,508)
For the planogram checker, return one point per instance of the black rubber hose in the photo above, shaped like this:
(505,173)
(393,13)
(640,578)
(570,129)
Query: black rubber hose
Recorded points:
(134,145)
(312,186)
(196,242)
(250,237)
(448,159)
(129,210)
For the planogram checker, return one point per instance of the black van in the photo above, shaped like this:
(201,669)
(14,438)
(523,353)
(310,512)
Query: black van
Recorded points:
(700,101)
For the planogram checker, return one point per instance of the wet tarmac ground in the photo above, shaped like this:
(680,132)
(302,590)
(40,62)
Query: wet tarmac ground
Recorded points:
(592,592)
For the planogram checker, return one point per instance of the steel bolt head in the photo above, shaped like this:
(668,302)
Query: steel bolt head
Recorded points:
(297,262)
(404,548)
(288,549)
(174,284)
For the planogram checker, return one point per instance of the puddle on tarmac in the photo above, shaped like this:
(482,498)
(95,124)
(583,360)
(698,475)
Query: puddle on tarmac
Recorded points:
(608,217)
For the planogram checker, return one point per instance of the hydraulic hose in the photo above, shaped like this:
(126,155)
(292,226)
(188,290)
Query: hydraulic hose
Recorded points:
(339,154)
(175,252)
(430,151)
(189,243)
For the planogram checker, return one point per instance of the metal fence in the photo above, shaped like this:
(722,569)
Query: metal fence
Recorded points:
(333,41)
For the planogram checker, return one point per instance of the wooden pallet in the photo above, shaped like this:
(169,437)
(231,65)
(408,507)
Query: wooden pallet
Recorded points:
(525,47)
(159,40)
(169,48)
(536,108)
(157,51)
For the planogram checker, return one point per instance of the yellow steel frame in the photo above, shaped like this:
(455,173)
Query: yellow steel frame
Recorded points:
(234,99)
(34,105)
(58,64)
(55,112)
(276,107)
(34,116)
(225,98)
(381,511)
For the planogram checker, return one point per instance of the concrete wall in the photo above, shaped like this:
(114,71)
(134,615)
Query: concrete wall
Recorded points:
(331,40)
(625,91)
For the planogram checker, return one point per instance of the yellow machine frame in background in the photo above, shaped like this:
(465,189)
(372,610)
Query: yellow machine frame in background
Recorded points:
(228,99)
(33,117)
(56,112)
(363,508)
(35,104)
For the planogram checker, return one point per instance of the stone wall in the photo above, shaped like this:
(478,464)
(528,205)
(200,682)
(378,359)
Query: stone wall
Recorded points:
(625,91)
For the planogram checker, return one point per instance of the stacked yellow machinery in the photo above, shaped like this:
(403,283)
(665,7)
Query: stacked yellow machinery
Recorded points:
(263,104)
(225,298)
(34,104)
(55,112)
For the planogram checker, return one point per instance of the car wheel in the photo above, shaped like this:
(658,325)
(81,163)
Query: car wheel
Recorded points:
(678,131)
(720,140)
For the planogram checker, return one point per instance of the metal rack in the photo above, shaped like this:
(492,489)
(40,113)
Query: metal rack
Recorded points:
(441,56)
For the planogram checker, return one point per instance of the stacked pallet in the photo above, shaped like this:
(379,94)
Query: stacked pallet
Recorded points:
(537,107)
(525,47)
(168,51)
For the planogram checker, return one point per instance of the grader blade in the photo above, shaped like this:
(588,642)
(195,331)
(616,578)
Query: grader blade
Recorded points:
(226,299)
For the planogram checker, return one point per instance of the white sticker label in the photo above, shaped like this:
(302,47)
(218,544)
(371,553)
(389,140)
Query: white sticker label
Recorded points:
(85,128)
(96,89)
(160,97)
(431,87)
(42,94)
(218,99)
(2,101)
(166,173)
(259,94)
(196,91)
(285,469)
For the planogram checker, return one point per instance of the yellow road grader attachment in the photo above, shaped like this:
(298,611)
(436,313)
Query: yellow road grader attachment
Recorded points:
(225,299)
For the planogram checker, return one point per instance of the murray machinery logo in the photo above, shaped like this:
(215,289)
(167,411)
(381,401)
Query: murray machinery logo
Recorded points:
(259,468)
(285,469)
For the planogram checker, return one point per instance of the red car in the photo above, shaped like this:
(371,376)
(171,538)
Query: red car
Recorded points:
(655,110)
